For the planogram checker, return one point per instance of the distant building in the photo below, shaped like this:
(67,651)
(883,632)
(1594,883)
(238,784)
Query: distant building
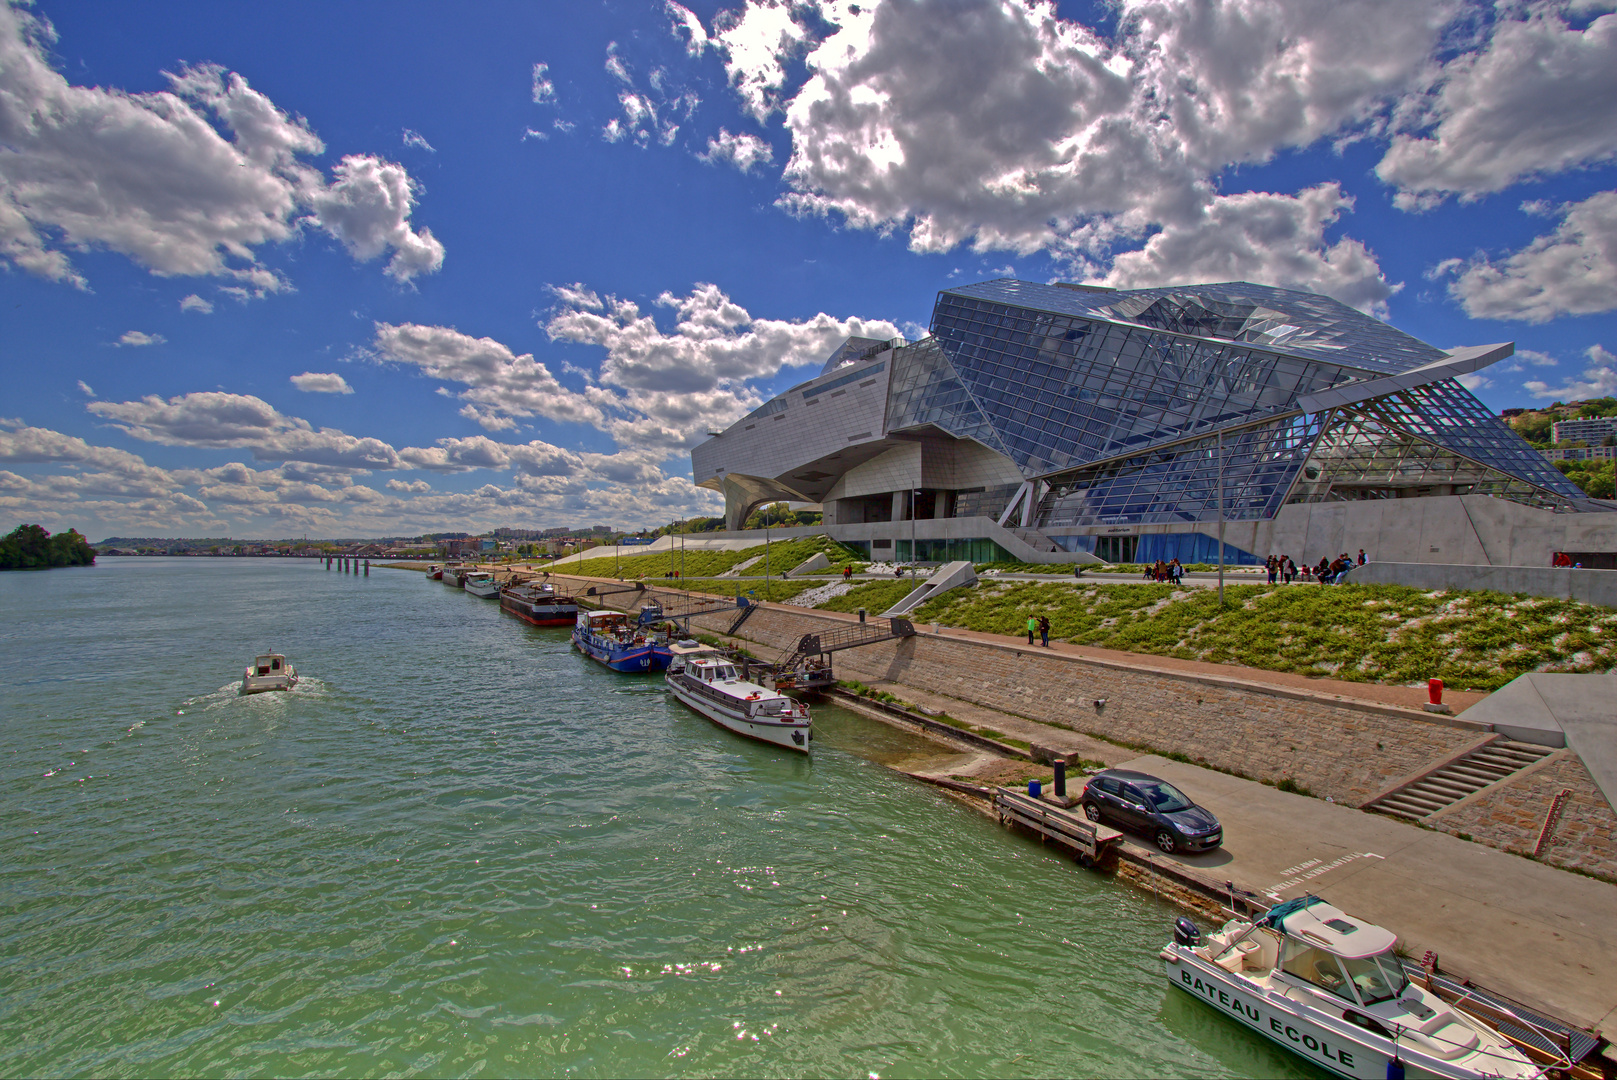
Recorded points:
(1592,430)
(1072,423)
(1581,453)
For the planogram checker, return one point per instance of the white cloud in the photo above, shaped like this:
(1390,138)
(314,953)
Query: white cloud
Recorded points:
(741,150)
(615,66)
(531,133)
(419,141)
(415,487)
(368,209)
(311,382)
(84,388)
(138,338)
(688,27)
(217,420)
(756,42)
(1599,380)
(187,181)
(1474,381)
(196,303)
(501,383)
(1536,358)
(1275,239)
(544,91)
(1535,99)
(1571,271)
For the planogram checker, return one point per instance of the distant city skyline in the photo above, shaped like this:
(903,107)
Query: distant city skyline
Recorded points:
(385,271)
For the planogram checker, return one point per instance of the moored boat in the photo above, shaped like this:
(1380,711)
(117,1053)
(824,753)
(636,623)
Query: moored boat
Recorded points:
(540,605)
(619,642)
(435,572)
(481,583)
(708,682)
(269,672)
(454,575)
(1328,987)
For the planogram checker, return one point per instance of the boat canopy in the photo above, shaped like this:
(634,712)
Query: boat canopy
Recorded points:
(1328,928)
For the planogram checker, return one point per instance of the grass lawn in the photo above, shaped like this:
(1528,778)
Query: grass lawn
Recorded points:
(783,555)
(874,596)
(1366,633)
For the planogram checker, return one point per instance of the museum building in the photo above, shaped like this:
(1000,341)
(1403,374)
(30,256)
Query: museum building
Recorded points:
(1073,423)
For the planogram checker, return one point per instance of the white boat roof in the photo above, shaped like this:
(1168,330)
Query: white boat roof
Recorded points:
(1336,932)
(694,649)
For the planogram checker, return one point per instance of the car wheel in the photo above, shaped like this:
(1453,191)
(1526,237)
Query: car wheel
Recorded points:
(1165,841)
(1091,811)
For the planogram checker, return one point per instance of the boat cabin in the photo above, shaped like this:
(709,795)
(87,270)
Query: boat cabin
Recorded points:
(1340,954)
(605,623)
(269,664)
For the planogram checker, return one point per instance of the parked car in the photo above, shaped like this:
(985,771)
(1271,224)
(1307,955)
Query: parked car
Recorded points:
(1142,803)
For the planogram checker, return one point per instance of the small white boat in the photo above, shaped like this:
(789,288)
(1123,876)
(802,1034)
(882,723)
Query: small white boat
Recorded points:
(1328,987)
(481,583)
(707,681)
(269,672)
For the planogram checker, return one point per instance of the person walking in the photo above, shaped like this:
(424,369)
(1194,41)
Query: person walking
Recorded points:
(1291,569)
(1269,564)
(1044,631)
(847,573)
(1032,625)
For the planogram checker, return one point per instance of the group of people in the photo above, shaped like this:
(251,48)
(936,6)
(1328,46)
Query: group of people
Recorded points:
(1170,572)
(1039,624)
(1329,571)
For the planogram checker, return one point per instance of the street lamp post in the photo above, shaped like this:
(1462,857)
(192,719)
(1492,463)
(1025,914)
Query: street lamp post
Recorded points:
(1221,519)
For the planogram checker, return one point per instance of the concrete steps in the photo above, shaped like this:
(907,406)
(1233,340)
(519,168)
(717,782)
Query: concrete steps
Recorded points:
(1036,540)
(1443,787)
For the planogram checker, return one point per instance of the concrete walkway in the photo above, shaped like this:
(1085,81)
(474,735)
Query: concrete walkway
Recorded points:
(1541,935)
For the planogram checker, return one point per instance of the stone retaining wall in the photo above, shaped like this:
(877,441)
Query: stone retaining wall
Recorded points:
(1510,816)
(1340,751)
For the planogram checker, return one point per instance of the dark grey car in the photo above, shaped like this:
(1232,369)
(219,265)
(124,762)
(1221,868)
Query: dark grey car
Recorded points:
(1142,803)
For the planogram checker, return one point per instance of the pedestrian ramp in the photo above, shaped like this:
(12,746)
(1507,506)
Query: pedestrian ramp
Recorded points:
(1437,790)
(948,576)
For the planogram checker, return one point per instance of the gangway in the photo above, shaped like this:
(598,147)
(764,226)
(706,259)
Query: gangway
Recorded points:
(686,608)
(807,664)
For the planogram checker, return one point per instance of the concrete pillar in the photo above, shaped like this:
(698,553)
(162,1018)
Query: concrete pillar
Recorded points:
(898,505)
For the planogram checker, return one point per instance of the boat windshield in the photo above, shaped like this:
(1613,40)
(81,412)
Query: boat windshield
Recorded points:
(725,673)
(1377,978)
(1313,964)
(1164,797)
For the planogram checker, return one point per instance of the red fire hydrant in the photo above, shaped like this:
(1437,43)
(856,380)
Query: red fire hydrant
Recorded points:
(1434,689)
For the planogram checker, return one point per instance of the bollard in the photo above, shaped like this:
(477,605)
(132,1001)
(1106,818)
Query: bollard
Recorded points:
(1060,765)
(1434,690)
(328,562)
(367,568)
(861,615)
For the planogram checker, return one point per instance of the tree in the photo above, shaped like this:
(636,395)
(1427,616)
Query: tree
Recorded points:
(30,547)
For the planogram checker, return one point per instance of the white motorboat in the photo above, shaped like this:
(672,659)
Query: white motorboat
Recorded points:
(1328,987)
(708,682)
(269,672)
(481,583)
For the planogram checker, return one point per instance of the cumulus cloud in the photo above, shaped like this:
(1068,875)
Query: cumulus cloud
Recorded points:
(1571,271)
(741,150)
(84,388)
(1276,239)
(187,181)
(196,303)
(544,91)
(368,209)
(687,26)
(1599,380)
(217,420)
(414,487)
(313,382)
(138,338)
(419,141)
(1535,99)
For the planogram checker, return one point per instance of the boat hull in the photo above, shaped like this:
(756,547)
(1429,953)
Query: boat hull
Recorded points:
(629,659)
(263,684)
(486,590)
(541,614)
(1333,1044)
(796,735)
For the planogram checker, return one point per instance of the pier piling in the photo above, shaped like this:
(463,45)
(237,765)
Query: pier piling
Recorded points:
(367,568)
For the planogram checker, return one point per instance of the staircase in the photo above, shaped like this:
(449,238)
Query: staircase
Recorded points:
(1035,539)
(1441,789)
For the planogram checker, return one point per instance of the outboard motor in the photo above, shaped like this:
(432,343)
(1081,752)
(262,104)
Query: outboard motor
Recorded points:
(1186,933)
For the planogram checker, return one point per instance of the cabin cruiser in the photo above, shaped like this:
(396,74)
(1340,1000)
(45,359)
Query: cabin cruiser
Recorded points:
(481,583)
(269,672)
(620,642)
(708,682)
(1328,987)
(540,605)
(435,572)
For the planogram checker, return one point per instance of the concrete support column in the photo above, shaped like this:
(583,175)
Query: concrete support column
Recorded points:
(898,505)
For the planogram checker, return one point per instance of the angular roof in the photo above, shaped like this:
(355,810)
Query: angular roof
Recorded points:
(1280,320)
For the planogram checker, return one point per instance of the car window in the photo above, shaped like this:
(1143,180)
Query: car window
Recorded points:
(1132,794)
(1106,784)
(1164,797)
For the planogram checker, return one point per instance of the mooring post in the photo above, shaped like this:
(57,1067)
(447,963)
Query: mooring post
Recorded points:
(328,562)
(1060,765)
(367,568)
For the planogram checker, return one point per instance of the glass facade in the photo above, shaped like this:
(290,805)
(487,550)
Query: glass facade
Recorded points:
(1176,406)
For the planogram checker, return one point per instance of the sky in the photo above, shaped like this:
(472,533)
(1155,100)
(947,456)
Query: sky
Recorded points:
(371,269)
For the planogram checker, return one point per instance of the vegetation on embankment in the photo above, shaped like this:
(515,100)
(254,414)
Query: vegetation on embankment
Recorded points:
(1364,633)
(783,555)
(874,596)
(29,547)
(776,591)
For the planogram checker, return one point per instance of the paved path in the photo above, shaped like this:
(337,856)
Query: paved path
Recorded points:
(1541,935)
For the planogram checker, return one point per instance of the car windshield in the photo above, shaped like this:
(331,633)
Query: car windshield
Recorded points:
(1163,797)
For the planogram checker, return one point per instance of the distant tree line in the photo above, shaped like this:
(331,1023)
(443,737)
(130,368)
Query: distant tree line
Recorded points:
(29,547)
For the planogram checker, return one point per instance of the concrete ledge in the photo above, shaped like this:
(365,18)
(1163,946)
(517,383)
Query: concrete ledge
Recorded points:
(1559,583)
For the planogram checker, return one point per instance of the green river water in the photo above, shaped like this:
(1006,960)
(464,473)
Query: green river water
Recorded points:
(459,848)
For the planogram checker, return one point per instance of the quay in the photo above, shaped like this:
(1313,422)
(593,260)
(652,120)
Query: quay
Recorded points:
(1520,927)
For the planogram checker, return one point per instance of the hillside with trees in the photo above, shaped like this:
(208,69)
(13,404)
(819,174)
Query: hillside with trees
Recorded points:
(29,547)
(1598,479)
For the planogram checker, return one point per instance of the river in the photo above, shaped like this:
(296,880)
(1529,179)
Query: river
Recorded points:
(458,848)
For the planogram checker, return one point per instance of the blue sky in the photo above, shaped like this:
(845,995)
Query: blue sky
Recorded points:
(369,269)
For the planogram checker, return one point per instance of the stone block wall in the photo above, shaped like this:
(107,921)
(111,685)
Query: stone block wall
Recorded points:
(1332,750)
(1510,816)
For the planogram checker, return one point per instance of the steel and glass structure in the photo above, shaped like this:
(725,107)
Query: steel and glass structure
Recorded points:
(1070,414)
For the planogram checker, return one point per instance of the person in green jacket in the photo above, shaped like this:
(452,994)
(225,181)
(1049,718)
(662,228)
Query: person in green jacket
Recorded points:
(1032,628)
